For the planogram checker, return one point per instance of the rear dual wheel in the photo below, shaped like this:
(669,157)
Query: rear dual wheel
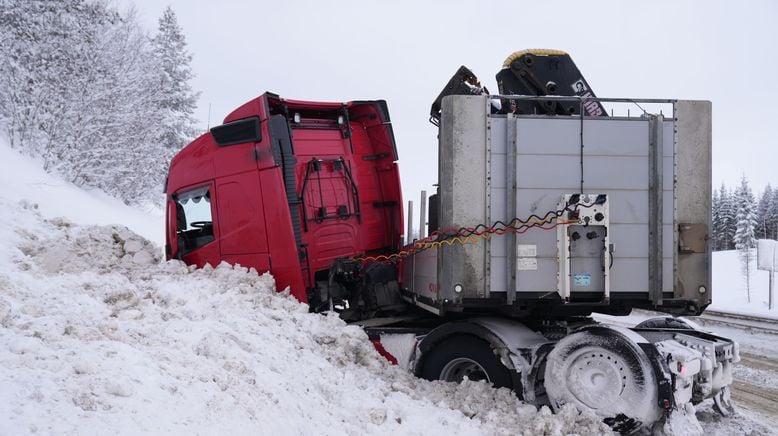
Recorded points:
(607,373)
(465,356)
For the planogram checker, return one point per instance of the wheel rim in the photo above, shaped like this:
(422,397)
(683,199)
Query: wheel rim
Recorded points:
(605,371)
(457,369)
(596,377)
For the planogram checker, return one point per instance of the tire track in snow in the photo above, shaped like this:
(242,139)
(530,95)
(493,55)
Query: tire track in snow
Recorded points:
(751,395)
(764,325)
(759,399)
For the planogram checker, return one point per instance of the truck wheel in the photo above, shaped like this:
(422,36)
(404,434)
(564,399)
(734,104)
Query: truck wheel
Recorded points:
(462,356)
(669,322)
(607,373)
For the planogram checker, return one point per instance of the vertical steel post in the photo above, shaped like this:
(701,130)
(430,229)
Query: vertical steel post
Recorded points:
(510,202)
(655,186)
(772,279)
(423,215)
(409,235)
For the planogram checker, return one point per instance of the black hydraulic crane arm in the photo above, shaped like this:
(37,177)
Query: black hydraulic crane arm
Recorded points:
(463,82)
(534,72)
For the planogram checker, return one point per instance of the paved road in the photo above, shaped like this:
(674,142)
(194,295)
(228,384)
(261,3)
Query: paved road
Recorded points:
(752,323)
(749,390)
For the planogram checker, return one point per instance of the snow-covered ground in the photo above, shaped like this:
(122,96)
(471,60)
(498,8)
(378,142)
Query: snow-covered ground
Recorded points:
(99,336)
(24,180)
(729,287)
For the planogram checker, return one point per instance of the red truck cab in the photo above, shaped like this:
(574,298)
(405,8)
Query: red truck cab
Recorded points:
(287,187)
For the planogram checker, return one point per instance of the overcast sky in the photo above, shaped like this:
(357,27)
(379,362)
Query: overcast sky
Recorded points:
(405,51)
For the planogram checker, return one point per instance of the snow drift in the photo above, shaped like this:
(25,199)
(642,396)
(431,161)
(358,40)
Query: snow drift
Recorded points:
(729,287)
(25,180)
(98,335)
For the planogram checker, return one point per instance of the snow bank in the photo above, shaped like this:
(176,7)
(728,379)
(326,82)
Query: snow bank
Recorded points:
(98,336)
(729,287)
(24,179)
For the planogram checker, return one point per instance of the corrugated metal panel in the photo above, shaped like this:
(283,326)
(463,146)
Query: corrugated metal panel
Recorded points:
(480,183)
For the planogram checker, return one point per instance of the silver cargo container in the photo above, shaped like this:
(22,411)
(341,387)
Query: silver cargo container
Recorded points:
(649,175)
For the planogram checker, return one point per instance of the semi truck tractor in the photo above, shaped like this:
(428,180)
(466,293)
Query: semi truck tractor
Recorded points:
(547,209)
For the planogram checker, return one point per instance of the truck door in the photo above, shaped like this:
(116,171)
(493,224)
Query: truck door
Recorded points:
(243,238)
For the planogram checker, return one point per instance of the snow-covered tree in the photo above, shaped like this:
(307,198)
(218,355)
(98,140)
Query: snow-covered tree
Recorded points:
(763,218)
(768,213)
(727,212)
(746,215)
(80,90)
(745,239)
(772,220)
(117,149)
(716,221)
(176,97)
(724,220)
(46,56)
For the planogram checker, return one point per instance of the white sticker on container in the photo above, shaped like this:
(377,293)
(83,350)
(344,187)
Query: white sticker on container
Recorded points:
(526,263)
(582,280)
(526,250)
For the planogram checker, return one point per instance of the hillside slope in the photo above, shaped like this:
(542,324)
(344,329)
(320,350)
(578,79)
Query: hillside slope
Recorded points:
(23,179)
(98,335)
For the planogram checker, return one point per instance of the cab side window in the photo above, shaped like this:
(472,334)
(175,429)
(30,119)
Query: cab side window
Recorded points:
(194,222)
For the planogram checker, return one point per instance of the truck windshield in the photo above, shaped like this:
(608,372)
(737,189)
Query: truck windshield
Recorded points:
(194,222)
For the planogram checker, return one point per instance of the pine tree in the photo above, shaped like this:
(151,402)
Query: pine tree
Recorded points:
(763,213)
(716,224)
(772,217)
(118,151)
(176,97)
(44,60)
(82,90)
(745,238)
(728,211)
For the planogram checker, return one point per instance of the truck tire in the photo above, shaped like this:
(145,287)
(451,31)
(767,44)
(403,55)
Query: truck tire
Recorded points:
(669,322)
(460,356)
(605,372)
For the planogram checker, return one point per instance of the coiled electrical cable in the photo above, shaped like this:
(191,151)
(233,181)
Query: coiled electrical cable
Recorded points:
(473,235)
